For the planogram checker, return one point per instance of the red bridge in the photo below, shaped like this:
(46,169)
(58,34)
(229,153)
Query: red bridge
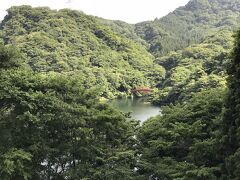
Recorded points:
(144,90)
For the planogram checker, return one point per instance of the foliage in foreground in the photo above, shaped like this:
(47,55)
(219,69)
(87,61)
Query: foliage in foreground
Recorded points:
(197,138)
(230,127)
(53,129)
(182,143)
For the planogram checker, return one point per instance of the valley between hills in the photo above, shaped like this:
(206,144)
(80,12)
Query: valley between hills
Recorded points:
(60,69)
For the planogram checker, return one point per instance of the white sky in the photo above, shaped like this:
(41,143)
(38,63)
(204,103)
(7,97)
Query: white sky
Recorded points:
(131,11)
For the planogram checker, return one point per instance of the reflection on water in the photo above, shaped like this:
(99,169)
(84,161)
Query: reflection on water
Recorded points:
(141,110)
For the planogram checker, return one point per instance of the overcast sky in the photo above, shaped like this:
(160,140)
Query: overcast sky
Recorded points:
(131,11)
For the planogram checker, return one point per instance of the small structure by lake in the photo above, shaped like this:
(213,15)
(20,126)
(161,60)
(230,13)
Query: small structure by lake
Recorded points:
(141,90)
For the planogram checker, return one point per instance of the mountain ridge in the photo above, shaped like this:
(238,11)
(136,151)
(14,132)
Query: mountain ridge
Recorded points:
(117,55)
(68,40)
(188,24)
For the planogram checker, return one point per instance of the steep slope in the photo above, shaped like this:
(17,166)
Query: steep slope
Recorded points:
(71,42)
(196,68)
(125,29)
(189,24)
(197,138)
(112,55)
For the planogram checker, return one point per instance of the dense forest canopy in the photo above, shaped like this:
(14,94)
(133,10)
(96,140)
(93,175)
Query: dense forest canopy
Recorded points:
(55,67)
(69,41)
(189,24)
(195,68)
(52,128)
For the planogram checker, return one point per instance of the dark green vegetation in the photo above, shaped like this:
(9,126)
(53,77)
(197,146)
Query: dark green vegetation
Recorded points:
(195,68)
(55,65)
(198,137)
(189,24)
(184,142)
(72,42)
(51,128)
(230,128)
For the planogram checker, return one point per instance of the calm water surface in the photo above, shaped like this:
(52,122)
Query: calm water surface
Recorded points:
(141,110)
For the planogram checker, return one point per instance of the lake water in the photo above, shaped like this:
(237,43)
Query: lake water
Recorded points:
(141,110)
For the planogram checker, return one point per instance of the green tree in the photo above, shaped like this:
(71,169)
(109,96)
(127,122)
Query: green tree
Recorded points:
(231,128)
(51,128)
(9,57)
(182,142)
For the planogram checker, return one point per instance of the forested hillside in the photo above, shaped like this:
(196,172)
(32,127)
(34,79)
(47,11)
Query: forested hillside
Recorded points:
(71,42)
(197,138)
(189,24)
(52,127)
(196,68)
(55,67)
